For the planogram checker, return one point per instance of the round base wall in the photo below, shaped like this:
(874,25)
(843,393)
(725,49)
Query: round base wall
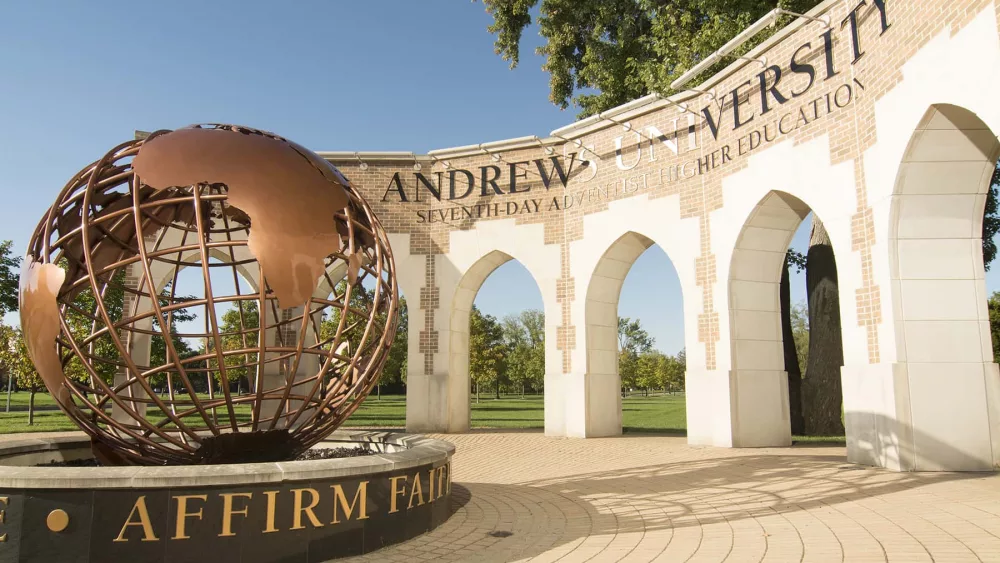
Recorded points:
(299,511)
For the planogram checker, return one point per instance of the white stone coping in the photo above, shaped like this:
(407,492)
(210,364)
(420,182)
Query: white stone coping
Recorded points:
(416,451)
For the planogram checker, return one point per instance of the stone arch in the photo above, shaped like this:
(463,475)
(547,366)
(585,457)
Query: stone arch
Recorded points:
(603,402)
(758,380)
(940,319)
(458,350)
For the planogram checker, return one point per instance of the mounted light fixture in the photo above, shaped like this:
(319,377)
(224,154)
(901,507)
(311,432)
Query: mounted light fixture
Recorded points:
(361,164)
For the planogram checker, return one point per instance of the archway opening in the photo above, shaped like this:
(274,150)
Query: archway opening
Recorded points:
(497,345)
(769,391)
(635,341)
(811,331)
(652,357)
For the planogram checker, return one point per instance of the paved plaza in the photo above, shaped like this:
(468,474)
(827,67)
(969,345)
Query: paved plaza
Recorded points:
(654,498)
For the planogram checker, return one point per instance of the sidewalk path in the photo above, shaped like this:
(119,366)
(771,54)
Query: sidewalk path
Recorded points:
(654,498)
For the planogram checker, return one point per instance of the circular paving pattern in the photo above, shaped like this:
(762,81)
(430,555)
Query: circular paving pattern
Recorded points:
(520,496)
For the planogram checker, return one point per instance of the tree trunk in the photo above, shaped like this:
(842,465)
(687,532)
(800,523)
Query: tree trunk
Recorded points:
(477,392)
(10,381)
(791,356)
(497,388)
(821,392)
(31,407)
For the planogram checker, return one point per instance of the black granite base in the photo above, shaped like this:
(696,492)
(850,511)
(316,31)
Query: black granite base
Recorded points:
(288,521)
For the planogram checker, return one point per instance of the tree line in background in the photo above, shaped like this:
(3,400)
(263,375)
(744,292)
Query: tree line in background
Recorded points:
(239,330)
(508,356)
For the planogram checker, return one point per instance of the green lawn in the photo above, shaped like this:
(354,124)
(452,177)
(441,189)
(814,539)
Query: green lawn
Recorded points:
(660,413)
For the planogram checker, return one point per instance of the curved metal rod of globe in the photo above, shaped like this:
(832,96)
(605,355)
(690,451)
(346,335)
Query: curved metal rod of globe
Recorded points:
(300,368)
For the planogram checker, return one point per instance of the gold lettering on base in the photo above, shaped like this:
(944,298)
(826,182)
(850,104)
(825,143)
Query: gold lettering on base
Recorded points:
(430,485)
(418,491)
(180,528)
(298,510)
(3,517)
(147,527)
(361,495)
(441,472)
(228,512)
(271,501)
(392,497)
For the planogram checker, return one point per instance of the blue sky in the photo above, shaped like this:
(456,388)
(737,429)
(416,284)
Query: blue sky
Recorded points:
(387,75)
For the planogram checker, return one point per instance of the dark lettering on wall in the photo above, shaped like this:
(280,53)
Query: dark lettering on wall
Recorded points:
(490,181)
(802,68)
(713,124)
(470,181)
(434,190)
(778,97)
(557,166)
(395,181)
(852,18)
(517,172)
(828,51)
(736,107)
(880,4)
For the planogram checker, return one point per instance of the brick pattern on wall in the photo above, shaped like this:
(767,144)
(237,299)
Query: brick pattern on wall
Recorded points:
(430,300)
(648,169)
(565,295)
(869,306)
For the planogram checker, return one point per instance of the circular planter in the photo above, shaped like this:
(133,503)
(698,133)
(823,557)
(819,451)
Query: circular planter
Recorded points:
(296,511)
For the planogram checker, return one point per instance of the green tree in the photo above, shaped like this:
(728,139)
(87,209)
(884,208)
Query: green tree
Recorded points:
(633,341)
(84,319)
(991,219)
(394,371)
(671,372)
(648,370)
(15,359)
(609,52)
(9,279)
(487,354)
(799,317)
(158,346)
(524,339)
(994,310)
(239,330)
(793,358)
(822,398)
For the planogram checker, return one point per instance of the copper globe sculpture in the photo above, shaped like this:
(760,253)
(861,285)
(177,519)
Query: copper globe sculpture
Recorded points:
(294,294)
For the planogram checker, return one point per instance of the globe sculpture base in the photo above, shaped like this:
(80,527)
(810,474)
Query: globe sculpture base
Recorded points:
(303,511)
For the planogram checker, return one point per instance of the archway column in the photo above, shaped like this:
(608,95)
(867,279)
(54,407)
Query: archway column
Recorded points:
(438,390)
(929,398)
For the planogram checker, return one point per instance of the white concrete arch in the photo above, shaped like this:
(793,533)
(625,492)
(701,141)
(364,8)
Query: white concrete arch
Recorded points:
(758,380)
(438,399)
(458,337)
(949,417)
(603,415)
(743,402)
(600,264)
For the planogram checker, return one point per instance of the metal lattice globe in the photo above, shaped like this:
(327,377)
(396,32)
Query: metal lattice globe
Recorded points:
(210,294)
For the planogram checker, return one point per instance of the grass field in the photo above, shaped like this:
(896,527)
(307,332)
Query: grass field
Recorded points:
(660,413)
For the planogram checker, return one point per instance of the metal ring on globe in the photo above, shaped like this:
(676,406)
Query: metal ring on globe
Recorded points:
(213,294)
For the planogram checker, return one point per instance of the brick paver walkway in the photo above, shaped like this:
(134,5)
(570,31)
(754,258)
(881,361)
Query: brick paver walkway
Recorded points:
(655,498)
